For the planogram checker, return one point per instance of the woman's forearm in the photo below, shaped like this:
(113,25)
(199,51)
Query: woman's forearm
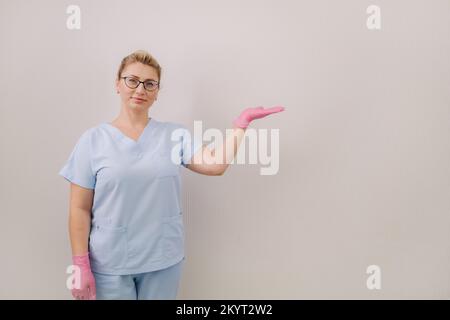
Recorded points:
(226,152)
(79,229)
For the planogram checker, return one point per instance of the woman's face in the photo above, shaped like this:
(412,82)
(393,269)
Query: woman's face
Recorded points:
(138,98)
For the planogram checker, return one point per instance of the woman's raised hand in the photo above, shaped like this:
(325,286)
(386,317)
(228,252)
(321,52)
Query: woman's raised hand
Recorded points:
(250,114)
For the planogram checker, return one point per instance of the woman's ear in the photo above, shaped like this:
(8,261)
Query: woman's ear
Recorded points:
(117,86)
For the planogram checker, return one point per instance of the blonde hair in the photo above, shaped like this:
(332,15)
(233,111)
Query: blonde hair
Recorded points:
(143,57)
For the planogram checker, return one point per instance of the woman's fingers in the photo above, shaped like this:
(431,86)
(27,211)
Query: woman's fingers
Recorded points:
(274,109)
(80,294)
(92,293)
(260,113)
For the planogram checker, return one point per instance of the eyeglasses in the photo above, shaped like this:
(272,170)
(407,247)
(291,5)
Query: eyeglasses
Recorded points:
(133,83)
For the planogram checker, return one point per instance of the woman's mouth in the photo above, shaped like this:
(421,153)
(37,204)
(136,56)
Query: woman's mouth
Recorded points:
(138,99)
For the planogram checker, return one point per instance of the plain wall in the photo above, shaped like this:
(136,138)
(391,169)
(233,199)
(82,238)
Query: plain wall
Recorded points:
(364,176)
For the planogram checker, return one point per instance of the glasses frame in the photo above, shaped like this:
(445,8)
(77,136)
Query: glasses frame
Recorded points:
(139,83)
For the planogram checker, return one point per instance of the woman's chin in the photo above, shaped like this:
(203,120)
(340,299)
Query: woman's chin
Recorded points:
(134,105)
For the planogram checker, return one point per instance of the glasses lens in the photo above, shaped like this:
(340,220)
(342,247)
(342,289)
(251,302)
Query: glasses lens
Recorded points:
(150,85)
(132,83)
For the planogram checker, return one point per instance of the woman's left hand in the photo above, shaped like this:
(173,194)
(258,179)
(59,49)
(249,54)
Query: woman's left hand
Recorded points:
(250,114)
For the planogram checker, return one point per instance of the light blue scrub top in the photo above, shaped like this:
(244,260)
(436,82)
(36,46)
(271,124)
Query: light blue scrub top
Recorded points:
(137,223)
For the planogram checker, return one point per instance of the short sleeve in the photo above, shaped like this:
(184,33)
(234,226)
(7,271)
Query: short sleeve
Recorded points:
(190,146)
(78,167)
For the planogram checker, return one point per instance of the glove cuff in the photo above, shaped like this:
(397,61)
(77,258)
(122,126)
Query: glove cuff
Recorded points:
(81,260)
(240,123)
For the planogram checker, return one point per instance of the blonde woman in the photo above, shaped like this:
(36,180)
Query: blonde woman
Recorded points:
(125,221)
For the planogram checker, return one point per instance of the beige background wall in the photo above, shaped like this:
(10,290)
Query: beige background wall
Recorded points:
(364,172)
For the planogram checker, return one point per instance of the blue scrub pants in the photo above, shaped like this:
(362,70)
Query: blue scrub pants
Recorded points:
(155,285)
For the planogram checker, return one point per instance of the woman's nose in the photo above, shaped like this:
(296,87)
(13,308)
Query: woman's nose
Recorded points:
(140,88)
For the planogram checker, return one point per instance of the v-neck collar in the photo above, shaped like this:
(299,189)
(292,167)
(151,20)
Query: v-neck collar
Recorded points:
(118,133)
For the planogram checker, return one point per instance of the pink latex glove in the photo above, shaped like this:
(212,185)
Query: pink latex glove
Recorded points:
(250,114)
(87,282)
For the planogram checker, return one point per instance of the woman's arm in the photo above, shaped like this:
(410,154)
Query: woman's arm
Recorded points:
(215,162)
(80,218)
(79,230)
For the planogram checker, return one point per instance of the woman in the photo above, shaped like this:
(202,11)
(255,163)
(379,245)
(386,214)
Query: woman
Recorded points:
(125,222)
